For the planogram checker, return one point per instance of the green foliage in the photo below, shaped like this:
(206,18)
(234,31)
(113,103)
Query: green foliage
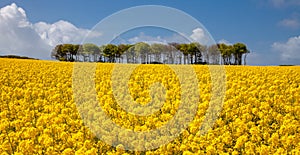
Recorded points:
(239,50)
(16,57)
(110,51)
(65,52)
(192,53)
(157,49)
(232,54)
(91,49)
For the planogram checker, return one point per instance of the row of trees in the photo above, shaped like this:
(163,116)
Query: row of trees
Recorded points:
(172,53)
(233,54)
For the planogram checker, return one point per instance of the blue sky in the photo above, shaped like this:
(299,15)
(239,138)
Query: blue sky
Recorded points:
(270,28)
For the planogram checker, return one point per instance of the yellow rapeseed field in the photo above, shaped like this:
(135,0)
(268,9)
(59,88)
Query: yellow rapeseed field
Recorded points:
(39,115)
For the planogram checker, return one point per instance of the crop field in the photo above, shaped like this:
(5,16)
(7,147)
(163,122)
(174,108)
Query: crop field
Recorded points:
(42,113)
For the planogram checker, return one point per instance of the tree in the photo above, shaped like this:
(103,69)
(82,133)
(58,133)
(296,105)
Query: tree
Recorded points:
(177,47)
(214,54)
(79,53)
(65,52)
(171,53)
(184,48)
(92,49)
(195,50)
(122,48)
(235,51)
(57,53)
(226,53)
(142,51)
(130,55)
(110,52)
(239,50)
(102,57)
(74,52)
(145,53)
(157,50)
(166,54)
(245,56)
(66,48)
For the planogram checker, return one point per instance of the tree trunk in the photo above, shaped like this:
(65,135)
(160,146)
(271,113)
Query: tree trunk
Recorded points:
(245,58)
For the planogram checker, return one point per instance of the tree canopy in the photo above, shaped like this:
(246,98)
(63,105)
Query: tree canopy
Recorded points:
(171,53)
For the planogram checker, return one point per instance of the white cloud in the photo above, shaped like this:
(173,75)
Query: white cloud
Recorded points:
(145,38)
(293,22)
(223,41)
(21,37)
(199,35)
(289,51)
(141,37)
(290,23)
(17,34)
(284,3)
(262,58)
(254,58)
(277,3)
(59,32)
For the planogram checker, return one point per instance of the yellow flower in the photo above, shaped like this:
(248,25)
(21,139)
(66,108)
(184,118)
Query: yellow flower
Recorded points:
(39,113)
